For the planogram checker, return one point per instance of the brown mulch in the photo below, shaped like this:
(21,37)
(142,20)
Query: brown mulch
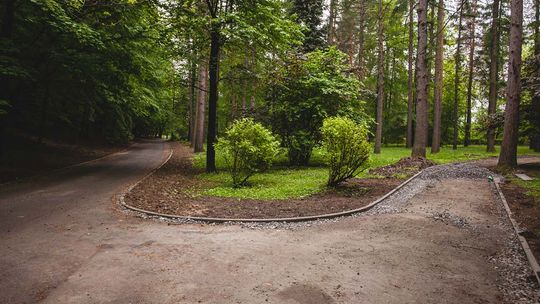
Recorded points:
(407,166)
(172,189)
(526,209)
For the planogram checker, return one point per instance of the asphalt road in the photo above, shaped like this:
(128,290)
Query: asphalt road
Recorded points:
(64,240)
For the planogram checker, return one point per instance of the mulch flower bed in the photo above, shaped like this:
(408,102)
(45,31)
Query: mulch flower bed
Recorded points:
(174,189)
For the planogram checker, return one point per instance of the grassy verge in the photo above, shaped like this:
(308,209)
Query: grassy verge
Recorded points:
(283,183)
(532,187)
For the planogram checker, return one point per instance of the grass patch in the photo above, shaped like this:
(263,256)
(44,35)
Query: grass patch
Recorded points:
(532,187)
(284,183)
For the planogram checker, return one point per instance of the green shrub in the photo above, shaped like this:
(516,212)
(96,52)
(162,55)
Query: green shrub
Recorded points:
(247,148)
(347,149)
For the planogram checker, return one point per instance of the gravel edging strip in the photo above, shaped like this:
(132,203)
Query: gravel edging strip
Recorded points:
(259,220)
(528,252)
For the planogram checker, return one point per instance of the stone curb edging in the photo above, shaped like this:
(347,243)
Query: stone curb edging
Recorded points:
(258,220)
(528,252)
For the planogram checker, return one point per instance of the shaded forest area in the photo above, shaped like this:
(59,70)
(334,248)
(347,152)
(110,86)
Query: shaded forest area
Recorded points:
(426,73)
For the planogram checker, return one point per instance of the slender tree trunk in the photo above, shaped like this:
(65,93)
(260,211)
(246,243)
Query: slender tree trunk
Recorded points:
(535,102)
(439,56)
(213,98)
(493,72)
(508,155)
(6,29)
(361,38)
(410,95)
(457,77)
(472,38)
(201,109)
(192,101)
(380,79)
(332,22)
(233,107)
(419,147)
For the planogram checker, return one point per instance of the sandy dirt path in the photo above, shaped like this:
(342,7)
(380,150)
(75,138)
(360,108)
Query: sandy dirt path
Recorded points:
(64,242)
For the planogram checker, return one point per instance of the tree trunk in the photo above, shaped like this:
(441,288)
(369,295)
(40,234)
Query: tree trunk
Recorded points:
(493,72)
(410,95)
(332,22)
(472,38)
(419,147)
(192,101)
(457,77)
(201,109)
(380,79)
(361,38)
(213,97)
(535,102)
(508,156)
(439,55)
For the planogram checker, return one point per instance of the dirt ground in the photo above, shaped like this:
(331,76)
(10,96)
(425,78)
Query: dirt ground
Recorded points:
(64,241)
(526,209)
(170,191)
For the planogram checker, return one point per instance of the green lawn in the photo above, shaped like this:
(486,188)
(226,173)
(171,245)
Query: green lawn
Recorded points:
(282,183)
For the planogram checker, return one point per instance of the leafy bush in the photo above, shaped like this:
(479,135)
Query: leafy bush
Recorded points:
(247,148)
(346,146)
(303,91)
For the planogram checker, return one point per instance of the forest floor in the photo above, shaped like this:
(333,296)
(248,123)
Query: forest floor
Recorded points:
(24,157)
(443,238)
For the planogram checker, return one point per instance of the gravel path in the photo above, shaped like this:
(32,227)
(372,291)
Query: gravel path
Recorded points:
(442,239)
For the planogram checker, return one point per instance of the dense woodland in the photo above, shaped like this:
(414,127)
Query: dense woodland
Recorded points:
(415,73)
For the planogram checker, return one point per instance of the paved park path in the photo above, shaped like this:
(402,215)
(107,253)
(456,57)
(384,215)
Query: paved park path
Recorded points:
(63,239)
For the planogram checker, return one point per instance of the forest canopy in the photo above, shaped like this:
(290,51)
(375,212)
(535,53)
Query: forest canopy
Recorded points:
(110,71)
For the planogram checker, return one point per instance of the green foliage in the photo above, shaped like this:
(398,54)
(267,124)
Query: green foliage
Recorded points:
(346,146)
(284,183)
(303,91)
(247,148)
(74,69)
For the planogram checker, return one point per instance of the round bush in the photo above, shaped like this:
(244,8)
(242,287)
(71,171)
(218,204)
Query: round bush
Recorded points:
(248,147)
(347,149)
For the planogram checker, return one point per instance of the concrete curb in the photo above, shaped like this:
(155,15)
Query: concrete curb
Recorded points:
(260,220)
(528,252)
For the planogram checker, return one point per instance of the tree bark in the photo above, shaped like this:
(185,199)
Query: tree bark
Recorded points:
(508,155)
(439,55)
(410,95)
(201,109)
(534,138)
(472,39)
(361,38)
(419,147)
(380,79)
(192,101)
(215,46)
(332,22)
(493,72)
(456,78)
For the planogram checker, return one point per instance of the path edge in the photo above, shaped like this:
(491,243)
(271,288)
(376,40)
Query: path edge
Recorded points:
(523,242)
(254,220)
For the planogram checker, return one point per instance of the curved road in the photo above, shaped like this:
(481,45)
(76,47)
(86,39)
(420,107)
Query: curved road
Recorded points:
(64,241)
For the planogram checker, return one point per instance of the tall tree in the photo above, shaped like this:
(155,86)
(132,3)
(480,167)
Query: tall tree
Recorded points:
(332,22)
(361,39)
(380,78)
(419,147)
(534,112)
(508,155)
(410,82)
(439,56)
(457,63)
(472,45)
(493,72)
(198,133)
